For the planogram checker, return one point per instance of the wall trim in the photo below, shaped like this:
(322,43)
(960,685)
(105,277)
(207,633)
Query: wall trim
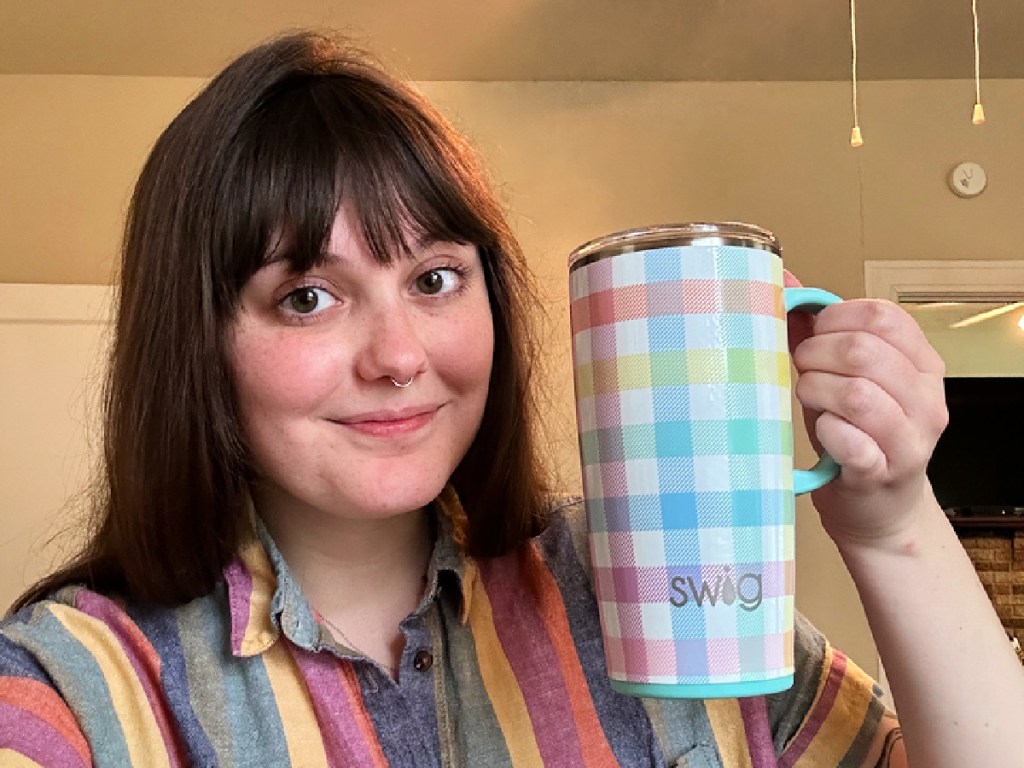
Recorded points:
(56,304)
(963,279)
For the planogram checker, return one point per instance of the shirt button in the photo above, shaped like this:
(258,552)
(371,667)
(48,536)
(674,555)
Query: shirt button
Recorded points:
(423,660)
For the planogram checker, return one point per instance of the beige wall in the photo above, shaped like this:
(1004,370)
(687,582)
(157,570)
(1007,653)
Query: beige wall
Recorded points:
(993,347)
(576,160)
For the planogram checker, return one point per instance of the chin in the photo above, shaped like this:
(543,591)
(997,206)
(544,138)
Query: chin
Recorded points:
(406,495)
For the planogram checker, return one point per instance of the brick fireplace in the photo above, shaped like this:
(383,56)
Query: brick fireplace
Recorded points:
(976,473)
(998,557)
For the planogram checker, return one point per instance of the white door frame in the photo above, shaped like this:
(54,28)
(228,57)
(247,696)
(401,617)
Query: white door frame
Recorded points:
(966,280)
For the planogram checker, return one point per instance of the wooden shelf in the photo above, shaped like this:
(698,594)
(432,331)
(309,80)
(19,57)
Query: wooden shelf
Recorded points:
(964,522)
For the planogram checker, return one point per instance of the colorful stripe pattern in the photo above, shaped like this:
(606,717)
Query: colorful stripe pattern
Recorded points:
(683,406)
(247,676)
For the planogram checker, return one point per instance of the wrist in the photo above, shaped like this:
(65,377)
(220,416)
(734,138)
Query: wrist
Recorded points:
(915,520)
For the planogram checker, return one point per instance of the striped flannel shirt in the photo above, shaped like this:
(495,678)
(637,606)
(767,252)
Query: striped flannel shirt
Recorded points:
(503,666)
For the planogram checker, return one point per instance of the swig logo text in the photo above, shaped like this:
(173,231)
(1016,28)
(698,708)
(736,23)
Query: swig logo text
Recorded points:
(725,589)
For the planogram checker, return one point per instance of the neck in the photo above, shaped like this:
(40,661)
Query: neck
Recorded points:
(363,575)
(347,565)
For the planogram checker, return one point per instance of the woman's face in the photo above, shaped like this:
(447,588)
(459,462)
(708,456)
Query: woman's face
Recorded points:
(313,357)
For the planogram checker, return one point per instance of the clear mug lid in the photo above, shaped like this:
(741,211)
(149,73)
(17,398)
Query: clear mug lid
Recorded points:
(734,233)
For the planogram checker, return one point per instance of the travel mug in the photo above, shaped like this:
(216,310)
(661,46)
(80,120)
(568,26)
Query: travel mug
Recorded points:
(684,409)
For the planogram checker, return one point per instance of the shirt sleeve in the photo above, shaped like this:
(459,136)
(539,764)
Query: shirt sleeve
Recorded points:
(834,714)
(37,728)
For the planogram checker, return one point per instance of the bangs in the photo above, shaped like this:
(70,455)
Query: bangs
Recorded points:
(321,141)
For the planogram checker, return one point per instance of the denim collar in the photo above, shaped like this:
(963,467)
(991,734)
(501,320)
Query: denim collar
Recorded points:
(265,600)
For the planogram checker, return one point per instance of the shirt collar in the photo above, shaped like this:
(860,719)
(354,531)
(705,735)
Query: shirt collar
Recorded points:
(265,600)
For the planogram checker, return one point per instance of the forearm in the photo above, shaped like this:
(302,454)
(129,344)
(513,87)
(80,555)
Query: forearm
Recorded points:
(958,686)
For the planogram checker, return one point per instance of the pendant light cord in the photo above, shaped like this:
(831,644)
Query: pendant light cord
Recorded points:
(856,139)
(978,117)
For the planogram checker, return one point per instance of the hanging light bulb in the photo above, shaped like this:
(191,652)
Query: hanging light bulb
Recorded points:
(856,140)
(978,117)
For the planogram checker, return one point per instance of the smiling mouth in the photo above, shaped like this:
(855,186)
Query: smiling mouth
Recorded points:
(390,424)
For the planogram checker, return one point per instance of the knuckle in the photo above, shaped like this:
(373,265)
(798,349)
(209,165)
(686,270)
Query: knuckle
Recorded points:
(881,317)
(859,354)
(857,396)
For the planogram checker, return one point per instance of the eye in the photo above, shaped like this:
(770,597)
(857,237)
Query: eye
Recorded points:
(308,300)
(439,280)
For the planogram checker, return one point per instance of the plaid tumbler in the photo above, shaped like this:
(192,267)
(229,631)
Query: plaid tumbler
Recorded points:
(683,402)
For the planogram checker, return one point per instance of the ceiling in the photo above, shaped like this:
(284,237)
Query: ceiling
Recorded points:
(530,39)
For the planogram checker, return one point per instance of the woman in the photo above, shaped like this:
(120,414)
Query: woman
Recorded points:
(325,537)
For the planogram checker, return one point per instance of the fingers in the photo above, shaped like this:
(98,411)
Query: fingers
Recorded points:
(886,321)
(877,383)
(862,426)
(800,325)
(866,357)
(852,448)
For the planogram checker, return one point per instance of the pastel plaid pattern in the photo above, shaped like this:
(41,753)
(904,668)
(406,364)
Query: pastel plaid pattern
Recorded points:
(682,375)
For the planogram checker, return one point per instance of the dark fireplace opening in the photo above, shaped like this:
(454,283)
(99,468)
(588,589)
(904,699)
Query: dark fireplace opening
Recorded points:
(977,469)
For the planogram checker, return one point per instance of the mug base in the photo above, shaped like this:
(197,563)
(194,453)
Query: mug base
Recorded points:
(704,690)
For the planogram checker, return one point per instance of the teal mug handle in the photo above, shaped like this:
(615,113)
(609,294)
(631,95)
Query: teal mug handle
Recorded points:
(811,300)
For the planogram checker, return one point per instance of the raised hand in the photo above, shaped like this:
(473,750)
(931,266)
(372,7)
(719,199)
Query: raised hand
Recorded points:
(871,388)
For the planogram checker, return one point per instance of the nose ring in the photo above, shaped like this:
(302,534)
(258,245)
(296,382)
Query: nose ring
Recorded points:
(404,384)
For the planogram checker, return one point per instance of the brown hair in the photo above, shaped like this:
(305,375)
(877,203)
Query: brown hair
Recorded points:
(281,137)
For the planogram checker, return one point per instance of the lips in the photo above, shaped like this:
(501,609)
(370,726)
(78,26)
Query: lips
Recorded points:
(391,423)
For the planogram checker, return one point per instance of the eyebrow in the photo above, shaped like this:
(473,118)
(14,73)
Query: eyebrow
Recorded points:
(283,251)
(427,242)
(418,245)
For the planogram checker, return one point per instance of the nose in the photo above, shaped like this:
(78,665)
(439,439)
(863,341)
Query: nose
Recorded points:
(393,348)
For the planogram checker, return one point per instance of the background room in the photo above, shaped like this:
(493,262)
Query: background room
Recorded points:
(593,116)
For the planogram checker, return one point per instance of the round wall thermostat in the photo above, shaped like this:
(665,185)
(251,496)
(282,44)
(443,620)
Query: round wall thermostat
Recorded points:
(968,180)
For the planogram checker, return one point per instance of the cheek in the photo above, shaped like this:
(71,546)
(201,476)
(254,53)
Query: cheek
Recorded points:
(274,374)
(470,354)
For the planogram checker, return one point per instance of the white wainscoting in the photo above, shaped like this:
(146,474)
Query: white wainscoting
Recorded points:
(53,340)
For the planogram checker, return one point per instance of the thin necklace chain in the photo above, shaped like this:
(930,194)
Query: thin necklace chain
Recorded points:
(354,647)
